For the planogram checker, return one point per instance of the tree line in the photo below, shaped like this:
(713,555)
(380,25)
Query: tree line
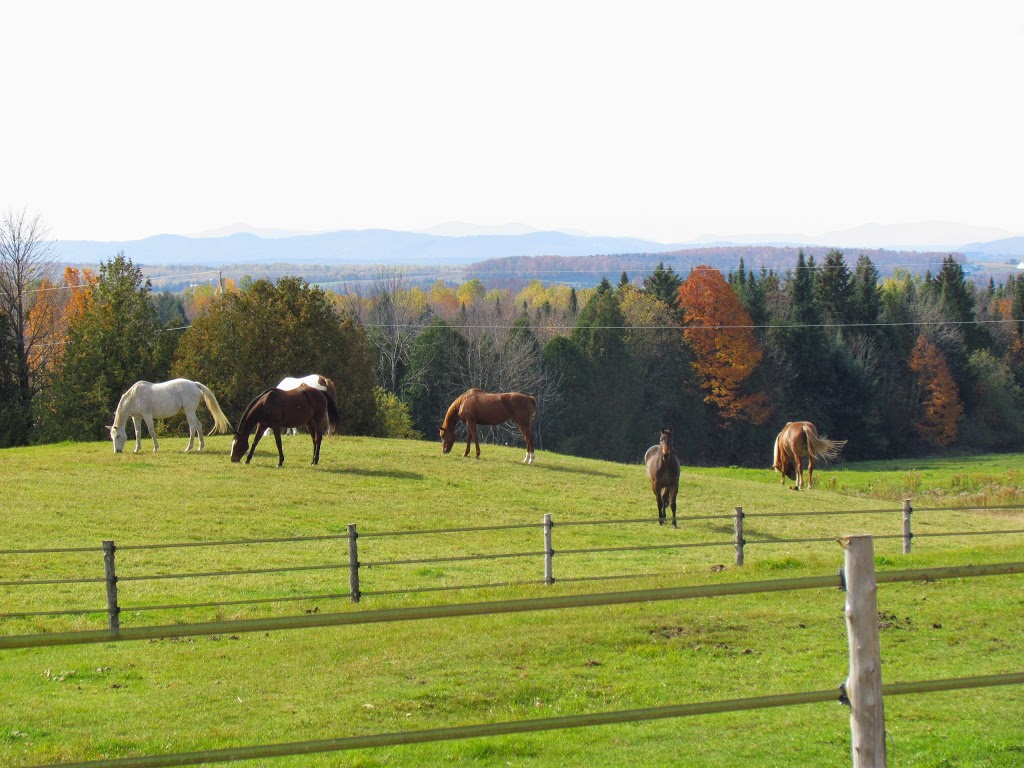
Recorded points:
(907,365)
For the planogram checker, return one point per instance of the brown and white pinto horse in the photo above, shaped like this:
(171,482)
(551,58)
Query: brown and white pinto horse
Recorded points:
(314,380)
(799,440)
(663,472)
(490,409)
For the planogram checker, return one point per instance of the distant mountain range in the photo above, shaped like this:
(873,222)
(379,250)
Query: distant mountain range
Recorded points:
(368,246)
(398,248)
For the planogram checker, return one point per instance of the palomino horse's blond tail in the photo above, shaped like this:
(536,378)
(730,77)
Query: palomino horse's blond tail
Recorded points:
(220,421)
(822,447)
(777,457)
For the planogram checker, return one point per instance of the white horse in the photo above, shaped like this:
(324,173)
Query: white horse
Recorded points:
(314,380)
(161,401)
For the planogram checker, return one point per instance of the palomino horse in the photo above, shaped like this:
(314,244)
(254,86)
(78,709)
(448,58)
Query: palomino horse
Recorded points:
(148,401)
(663,472)
(490,409)
(314,380)
(278,409)
(799,440)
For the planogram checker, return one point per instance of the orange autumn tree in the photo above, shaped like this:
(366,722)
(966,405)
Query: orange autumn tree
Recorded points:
(55,309)
(717,329)
(941,409)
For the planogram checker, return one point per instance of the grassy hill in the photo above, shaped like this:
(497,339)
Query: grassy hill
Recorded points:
(109,700)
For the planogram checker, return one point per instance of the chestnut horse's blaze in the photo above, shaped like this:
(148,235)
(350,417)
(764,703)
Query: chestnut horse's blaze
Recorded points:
(490,409)
(797,441)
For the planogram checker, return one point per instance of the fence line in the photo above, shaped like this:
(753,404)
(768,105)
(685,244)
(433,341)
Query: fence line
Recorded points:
(522,605)
(421,612)
(405,738)
(863,690)
(111,578)
(246,572)
(453,559)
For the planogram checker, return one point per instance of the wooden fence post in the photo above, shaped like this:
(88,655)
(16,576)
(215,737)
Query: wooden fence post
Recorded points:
(110,574)
(864,685)
(907,535)
(739,536)
(353,563)
(549,553)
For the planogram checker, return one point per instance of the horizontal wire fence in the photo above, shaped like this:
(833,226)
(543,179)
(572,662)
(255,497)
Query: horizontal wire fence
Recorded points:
(517,606)
(357,569)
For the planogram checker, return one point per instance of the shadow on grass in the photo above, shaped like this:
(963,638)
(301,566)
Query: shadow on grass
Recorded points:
(393,474)
(573,470)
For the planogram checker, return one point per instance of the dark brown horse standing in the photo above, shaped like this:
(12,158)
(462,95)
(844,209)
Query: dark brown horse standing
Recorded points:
(663,472)
(797,441)
(490,409)
(279,409)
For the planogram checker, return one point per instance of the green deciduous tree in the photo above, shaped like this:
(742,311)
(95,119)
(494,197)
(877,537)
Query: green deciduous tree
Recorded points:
(249,340)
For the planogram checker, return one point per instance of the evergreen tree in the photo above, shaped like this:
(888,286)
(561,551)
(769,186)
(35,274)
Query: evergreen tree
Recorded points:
(14,418)
(110,346)
(751,292)
(956,300)
(565,422)
(663,284)
(833,289)
(613,389)
(434,376)
(867,302)
(803,367)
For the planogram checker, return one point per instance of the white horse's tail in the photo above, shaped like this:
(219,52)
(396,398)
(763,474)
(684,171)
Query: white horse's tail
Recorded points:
(822,447)
(220,421)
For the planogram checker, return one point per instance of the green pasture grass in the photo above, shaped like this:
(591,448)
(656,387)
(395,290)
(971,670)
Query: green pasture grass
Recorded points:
(118,699)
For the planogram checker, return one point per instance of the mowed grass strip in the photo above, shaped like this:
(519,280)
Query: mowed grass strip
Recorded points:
(81,703)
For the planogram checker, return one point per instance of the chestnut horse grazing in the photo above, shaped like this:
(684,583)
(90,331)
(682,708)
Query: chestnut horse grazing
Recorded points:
(663,472)
(279,409)
(799,440)
(490,409)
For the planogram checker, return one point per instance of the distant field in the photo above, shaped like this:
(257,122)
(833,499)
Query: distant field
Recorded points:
(110,700)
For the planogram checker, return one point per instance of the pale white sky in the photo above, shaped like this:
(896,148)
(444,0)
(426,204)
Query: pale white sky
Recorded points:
(663,120)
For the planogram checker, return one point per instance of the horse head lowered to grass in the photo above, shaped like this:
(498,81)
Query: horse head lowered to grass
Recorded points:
(490,409)
(279,409)
(147,401)
(797,441)
(663,472)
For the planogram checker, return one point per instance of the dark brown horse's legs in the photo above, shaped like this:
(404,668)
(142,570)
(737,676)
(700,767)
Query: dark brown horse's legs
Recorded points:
(255,442)
(280,450)
(315,432)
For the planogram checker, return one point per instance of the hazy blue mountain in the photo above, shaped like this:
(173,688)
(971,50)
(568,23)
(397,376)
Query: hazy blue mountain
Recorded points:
(368,246)
(914,236)
(1009,246)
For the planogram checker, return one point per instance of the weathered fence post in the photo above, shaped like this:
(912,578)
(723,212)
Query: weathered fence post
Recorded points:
(353,563)
(110,574)
(739,536)
(864,685)
(907,535)
(549,553)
